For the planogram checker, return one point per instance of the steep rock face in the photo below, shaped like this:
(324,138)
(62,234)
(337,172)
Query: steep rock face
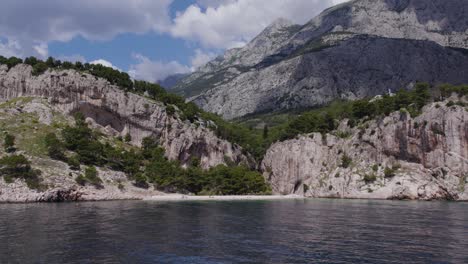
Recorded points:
(238,60)
(353,50)
(397,157)
(440,21)
(357,67)
(119,113)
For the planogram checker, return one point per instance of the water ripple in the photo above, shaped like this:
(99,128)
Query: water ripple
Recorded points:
(300,231)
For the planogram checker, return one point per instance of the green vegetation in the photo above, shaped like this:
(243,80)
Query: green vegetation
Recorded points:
(149,165)
(257,140)
(369,178)
(90,177)
(10,62)
(375,167)
(29,133)
(346,161)
(18,166)
(463,179)
(55,147)
(391,172)
(222,180)
(9,143)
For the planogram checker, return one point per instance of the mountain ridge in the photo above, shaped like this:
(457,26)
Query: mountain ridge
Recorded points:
(216,89)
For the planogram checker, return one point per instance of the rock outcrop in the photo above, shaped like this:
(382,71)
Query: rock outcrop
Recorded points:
(396,157)
(119,113)
(60,186)
(357,49)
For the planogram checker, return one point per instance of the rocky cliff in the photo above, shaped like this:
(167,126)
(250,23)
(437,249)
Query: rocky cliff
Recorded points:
(29,120)
(396,157)
(119,113)
(357,49)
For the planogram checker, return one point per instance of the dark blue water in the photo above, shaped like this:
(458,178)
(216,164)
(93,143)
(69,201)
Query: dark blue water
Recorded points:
(295,231)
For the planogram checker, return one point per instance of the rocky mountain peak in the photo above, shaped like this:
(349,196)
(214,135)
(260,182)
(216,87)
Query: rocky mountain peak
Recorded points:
(440,21)
(289,66)
(276,26)
(280,28)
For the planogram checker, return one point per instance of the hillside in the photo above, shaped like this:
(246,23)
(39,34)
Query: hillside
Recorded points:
(398,156)
(68,135)
(120,145)
(354,50)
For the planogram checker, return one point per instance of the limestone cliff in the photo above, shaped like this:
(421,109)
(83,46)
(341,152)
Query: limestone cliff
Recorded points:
(396,157)
(119,113)
(356,49)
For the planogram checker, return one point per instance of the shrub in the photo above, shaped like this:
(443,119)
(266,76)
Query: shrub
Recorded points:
(39,68)
(369,178)
(9,143)
(128,137)
(375,168)
(81,180)
(91,176)
(345,161)
(18,166)
(55,148)
(389,172)
(141,181)
(12,62)
(170,110)
(74,162)
(363,108)
(343,134)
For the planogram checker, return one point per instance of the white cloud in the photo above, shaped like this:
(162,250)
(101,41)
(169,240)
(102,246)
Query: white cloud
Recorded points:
(154,71)
(233,23)
(105,63)
(42,49)
(201,58)
(26,26)
(33,23)
(10,48)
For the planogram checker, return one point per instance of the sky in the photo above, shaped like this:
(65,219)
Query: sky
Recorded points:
(150,39)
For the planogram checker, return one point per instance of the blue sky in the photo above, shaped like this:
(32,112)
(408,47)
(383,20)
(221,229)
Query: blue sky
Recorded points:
(150,39)
(119,50)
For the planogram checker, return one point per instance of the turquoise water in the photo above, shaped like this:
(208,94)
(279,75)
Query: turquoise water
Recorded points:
(290,231)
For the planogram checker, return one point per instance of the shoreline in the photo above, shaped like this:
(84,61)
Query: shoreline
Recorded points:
(181,197)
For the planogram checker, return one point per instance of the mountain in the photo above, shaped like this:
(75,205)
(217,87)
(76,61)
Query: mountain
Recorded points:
(33,106)
(235,61)
(357,49)
(393,157)
(171,80)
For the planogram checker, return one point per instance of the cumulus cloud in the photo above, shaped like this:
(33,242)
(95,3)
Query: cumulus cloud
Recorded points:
(234,23)
(27,26)
(201,58)
(105,63)
(10,48)
(33,24)
(153,71)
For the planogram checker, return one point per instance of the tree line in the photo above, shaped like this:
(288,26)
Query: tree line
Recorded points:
(257,141)
(80,145)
